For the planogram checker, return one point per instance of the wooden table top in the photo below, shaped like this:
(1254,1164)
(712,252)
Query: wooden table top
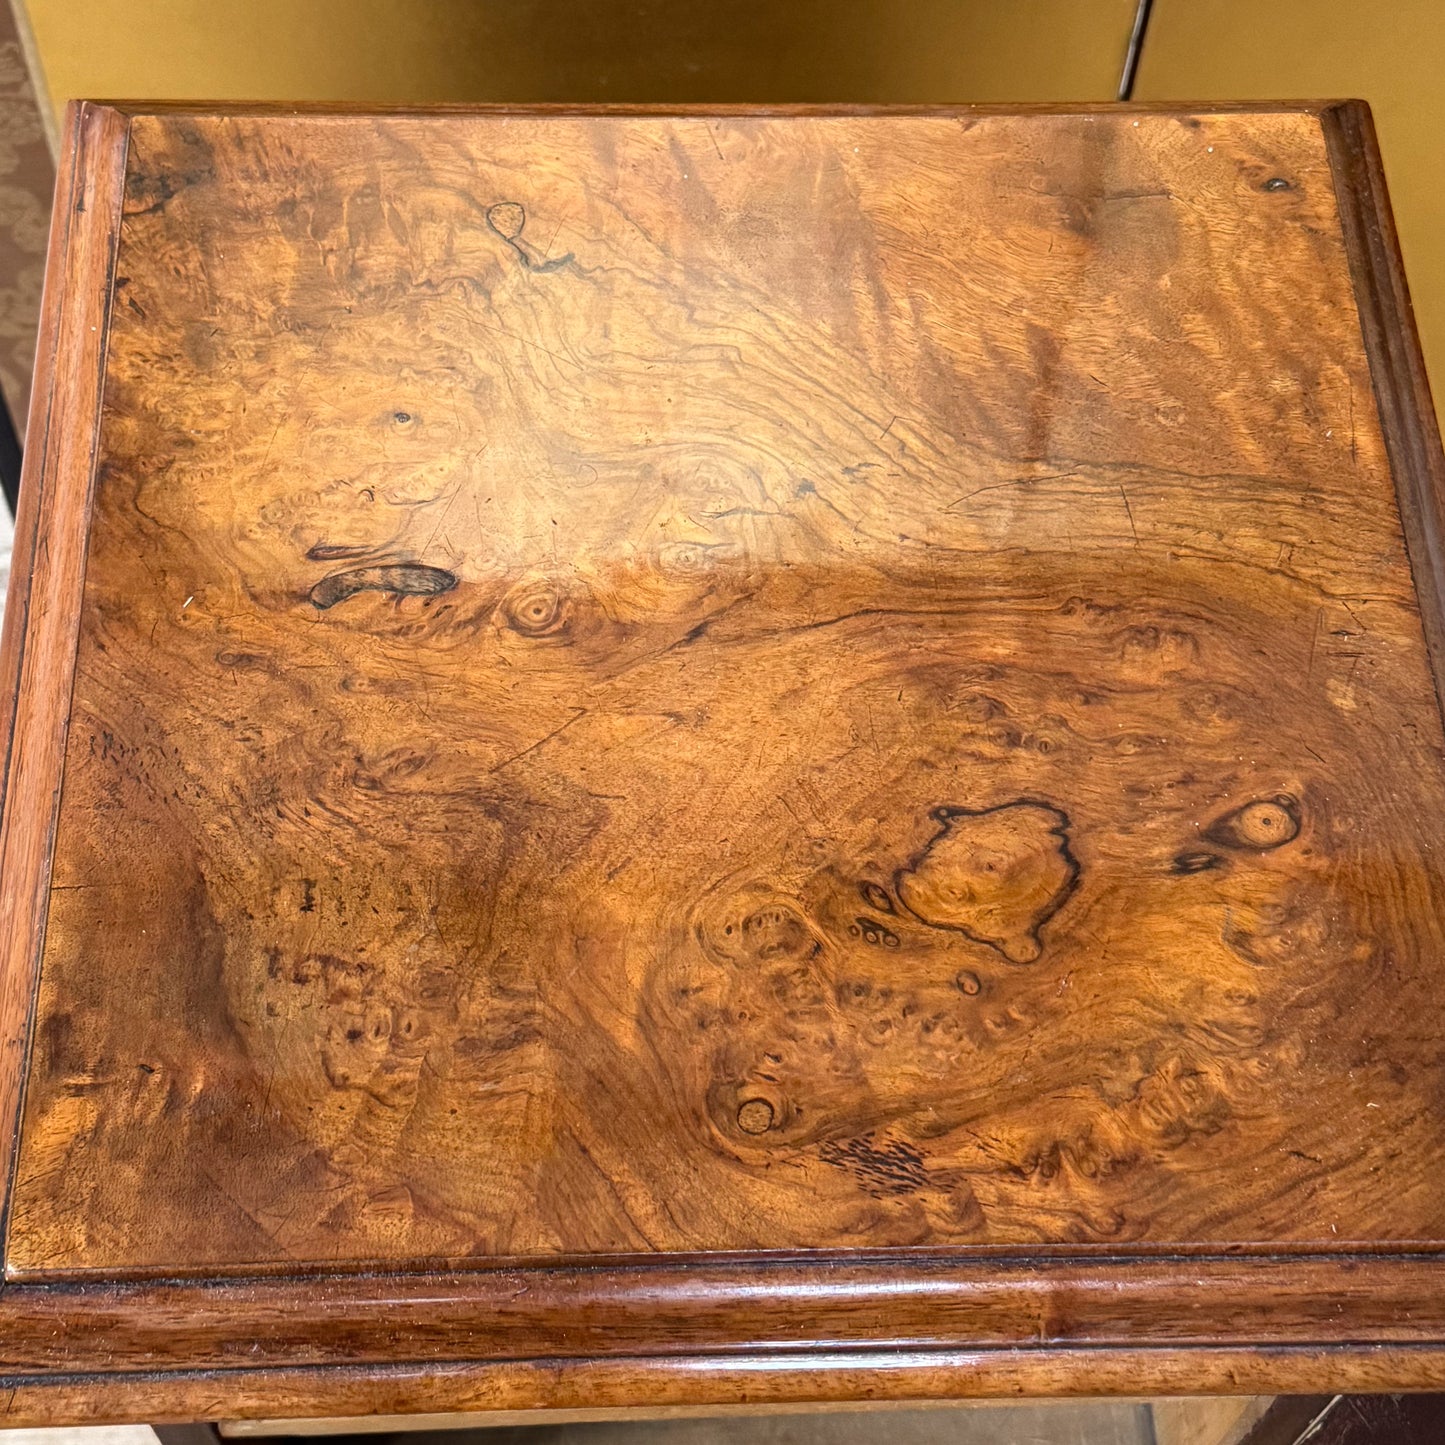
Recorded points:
(664,757)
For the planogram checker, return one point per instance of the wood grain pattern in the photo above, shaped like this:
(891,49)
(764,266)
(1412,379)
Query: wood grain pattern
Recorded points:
(643,753)
(655,690)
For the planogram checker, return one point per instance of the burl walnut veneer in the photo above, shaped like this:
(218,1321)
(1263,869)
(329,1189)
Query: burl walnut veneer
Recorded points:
(673,757)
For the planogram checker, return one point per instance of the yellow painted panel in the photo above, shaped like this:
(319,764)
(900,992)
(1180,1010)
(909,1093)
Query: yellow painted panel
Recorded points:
(667,50)
(1391,54)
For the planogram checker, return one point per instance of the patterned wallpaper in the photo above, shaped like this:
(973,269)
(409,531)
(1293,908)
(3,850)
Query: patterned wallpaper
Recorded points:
(27,179)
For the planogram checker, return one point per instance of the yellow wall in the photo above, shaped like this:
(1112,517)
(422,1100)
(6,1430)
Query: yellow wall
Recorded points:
(1389,52)
(429,50)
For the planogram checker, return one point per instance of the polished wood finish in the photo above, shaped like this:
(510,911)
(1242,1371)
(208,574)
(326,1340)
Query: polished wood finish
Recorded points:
(723,757)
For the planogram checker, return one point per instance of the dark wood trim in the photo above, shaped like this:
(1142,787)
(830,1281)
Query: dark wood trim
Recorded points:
(608,1311)
(37,657)
(1397,364)
(754,1378)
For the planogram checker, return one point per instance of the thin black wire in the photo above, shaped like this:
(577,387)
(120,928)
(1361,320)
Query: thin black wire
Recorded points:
(9,459)
(1136,47)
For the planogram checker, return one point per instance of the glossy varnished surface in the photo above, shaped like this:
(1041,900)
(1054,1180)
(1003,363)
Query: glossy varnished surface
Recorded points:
(728,684)
(719,758)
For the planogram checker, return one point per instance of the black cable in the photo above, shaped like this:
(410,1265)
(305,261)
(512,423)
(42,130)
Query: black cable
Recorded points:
(9,459)
(1136,47)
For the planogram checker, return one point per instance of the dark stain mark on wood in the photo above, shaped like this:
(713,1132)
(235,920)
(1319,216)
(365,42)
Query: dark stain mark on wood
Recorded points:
(876,897)
(1197,862)
(894,1167)
(404,579)
(336,551)
(995,874)
(507,219)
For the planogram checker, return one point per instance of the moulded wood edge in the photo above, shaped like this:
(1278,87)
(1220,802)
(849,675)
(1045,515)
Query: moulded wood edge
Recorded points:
(560,1315)
(772,1378)
(1397,363)
(37,657)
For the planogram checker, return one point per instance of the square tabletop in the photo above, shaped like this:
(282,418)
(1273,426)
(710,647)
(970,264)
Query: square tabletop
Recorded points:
(669,756)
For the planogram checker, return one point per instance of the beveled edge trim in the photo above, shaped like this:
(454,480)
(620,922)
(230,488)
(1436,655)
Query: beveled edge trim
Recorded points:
(757,1378)
(1397,364)
(561,1316)
(42,618)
